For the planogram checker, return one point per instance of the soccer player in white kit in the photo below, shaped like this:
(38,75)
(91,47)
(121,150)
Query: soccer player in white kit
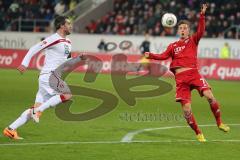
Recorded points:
(57,49)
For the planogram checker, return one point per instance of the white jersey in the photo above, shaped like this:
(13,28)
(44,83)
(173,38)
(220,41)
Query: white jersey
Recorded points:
(56,50)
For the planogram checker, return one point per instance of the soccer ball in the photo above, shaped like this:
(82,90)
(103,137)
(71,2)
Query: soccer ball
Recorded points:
(169,20)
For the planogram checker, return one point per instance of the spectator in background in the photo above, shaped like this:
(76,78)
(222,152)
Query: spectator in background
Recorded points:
(13,10)
(143,62)
(139,16)
(48,15)
(28,10)
(60,8)
(92,27)
(72,4)
(225,51)
(14,6)
(2,15)
(145,46)
(42,13)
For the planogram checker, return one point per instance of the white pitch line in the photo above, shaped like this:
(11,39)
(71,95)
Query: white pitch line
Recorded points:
(124,139)
(182,140)
(129,136)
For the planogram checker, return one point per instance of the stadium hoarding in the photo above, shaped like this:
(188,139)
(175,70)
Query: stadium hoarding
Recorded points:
(208,47)
(222,69)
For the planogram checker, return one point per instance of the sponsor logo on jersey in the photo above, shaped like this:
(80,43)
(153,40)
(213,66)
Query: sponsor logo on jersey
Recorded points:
(178,49)
(67,50)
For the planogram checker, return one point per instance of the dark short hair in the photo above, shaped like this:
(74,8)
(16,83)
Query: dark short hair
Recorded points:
(184,21)
(60,20)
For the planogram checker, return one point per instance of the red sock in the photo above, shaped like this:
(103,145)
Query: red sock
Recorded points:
(191,122)
(216,111)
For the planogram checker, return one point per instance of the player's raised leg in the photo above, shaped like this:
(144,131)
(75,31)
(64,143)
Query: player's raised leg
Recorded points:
(52,102)
(214,105)
(188,115)
(11,130)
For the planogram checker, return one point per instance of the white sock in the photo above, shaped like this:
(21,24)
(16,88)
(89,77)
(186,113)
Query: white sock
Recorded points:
(25,116)
(55,100)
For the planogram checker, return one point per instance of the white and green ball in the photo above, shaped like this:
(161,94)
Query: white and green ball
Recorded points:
(169,20)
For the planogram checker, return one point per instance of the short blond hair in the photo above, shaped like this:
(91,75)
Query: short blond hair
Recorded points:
(184,22)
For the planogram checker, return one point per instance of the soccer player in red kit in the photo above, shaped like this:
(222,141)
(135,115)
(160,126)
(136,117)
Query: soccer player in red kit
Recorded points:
(184,66)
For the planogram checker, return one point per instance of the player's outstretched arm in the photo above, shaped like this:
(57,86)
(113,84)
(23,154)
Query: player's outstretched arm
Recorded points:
(201,24)
(165,55)
(33,51)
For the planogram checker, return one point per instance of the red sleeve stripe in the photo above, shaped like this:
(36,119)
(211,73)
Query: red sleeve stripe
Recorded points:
(56,42)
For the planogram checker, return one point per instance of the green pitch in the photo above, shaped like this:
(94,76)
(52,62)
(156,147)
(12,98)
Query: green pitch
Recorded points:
(100,138)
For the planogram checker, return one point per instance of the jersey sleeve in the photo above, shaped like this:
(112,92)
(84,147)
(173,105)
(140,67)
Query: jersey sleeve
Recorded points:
(200,29)
(162,56)
(36,49)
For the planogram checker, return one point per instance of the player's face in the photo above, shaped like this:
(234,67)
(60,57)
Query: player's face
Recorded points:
(183,31)
(68,27)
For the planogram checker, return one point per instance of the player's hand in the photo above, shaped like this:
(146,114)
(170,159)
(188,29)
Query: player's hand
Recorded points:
(146,54)
(204,8)
(22,69)
(83,57)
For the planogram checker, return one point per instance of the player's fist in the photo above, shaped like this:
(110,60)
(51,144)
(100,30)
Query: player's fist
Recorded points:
(22,69)
(146,54)
(83,57)
(204,8)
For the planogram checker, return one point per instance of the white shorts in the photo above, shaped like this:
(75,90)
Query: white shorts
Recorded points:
(50,85)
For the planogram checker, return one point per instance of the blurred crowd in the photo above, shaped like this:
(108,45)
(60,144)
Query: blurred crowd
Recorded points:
(39,10)
(129,17)
(136,17)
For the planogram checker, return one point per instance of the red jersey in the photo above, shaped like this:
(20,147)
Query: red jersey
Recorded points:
(183,52)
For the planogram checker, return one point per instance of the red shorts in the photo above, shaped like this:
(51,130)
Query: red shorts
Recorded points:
(186,81)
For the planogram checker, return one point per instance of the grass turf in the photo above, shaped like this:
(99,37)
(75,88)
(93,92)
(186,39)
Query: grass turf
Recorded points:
(18,93)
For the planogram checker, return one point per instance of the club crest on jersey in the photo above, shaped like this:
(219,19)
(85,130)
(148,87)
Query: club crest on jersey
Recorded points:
(178,49)
(67,51)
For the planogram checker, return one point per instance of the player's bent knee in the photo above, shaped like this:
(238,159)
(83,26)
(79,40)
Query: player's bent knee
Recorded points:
(186,107)
(185,102)
(37,104)
(187,111)
(68,96)
(209,95)
(211,99)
